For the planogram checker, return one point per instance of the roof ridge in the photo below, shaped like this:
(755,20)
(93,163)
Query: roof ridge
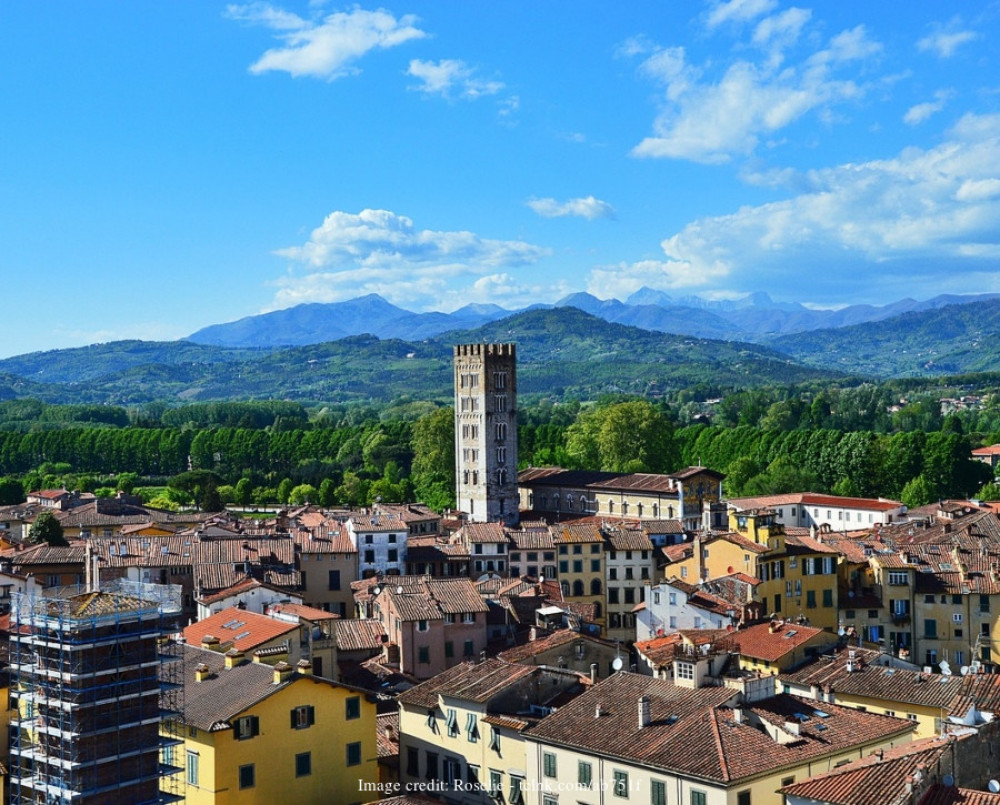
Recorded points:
(717,735)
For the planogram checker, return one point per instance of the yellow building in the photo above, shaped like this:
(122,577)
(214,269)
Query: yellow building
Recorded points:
(461,733)
(256,733)
(878,683)
(633,738)
(580,557)
(798,574)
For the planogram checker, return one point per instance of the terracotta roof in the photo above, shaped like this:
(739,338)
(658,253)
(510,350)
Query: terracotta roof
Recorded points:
(491,533)
(577,532)
(477,682)
(879,777)
(531,540)
(766,642)
(387,735)
(991,450)
(660,651)
(353,634)
(75,554)
(239,629)
(211,704)
(939,794)
(560,637)
(628,539)
(377,522)
(302,612)
(428,598)
(144,551)
(694,733)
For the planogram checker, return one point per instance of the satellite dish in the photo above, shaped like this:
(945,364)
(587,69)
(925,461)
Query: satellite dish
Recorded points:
(841,631)
(729,570)
(945,668)
(399,590)
(617,663)
(948,780)
(994,786)
(964,670)
(377,589)
(946,671)
(850,593)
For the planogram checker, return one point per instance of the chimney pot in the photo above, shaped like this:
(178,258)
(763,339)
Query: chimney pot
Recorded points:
(645,712)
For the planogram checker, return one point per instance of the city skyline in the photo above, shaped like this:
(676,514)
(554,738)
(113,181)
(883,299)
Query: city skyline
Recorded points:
(164,168)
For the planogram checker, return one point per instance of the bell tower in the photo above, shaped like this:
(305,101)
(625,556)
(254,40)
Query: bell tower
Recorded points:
(486,432)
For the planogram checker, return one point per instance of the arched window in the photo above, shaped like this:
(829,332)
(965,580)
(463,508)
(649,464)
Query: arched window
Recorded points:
(624,507)
(638,509)
(597,610)
(611,507)
(578,587)
(595,586)
(670,512)
(656,510)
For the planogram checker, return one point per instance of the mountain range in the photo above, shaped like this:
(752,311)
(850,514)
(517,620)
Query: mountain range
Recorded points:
(367,350)
(754,318)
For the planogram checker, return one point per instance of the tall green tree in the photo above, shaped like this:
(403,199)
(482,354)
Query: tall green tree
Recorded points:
(433,444)
(47,528)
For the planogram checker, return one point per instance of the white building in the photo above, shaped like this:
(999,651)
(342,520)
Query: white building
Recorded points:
(812,510)
(674,605)
(380,540)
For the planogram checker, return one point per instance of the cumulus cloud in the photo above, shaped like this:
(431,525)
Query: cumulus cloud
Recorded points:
(378,251)
(711,116)
(590,208)
(327,47)
(450,78)
(738,11)
(925,221)
(944,41)
(923,111)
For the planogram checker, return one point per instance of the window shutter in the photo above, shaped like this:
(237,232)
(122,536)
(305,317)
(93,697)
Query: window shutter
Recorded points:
(311,718)
(295,720)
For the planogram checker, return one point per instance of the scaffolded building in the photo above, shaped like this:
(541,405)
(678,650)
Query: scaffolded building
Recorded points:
(95,707)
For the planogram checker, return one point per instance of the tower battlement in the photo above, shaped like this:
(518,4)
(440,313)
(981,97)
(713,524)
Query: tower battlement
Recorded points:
(478,350)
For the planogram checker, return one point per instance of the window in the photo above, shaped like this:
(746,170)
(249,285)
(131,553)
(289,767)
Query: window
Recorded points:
(354,753)
(828,598)
(423,626)
(305,716)
(369,557)
(984,603)
(657,793)
(303,761)
(697,797)
(192,768)
(424,654)
(471,728)
(516,790)
(431,771)
(333,580)
(743,798)
(957,617)
(930,627)
(393,555)
(452,722)
(352,708)
(621,783)
(247,776)
(494,739)
(496,782)
(583,773)
(549,764)
(472,777)
(449,648)
(412,761)
(246,727)
(899,578)
(810,599)
(469,649)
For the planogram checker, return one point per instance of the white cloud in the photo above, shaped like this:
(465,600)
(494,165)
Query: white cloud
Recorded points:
(924,111)
(617,282)
(377,251)
(589,208)
(327,47)
(944,41)
(450,77)
(712,119)
(924,221)
(505,290)
(738,11)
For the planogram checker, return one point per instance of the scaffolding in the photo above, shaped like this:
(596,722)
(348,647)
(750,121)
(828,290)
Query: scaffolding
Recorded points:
(95,695)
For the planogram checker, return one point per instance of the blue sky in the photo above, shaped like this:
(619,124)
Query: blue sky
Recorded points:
(166,166)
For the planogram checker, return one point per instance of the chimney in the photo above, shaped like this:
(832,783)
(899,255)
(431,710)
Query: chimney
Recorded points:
(201,672)
(304,667)
(645,712)
(593,672)
(532,634)
(282,673)
(234,657)
(210,642)
(597,711)
(738,715)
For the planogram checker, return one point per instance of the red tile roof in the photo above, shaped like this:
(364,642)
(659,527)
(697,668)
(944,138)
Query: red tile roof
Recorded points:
(239,629)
